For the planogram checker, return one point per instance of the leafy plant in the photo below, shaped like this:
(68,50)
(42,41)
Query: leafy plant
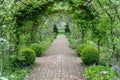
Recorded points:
(90,55)
(13,59)
(105,59)
(16,74)
(38,48)
(26,57)
(79,49)
(98,72)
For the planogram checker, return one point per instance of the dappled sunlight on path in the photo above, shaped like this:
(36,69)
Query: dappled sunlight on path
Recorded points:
(59,63)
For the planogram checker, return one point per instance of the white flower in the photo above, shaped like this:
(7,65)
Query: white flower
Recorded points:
(2,39)
(3,26)
(12,76)
(3,78)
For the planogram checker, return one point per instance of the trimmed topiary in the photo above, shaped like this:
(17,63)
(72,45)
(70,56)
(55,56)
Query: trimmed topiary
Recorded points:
(90,55)
(26,57)
(79,49)
(37,48)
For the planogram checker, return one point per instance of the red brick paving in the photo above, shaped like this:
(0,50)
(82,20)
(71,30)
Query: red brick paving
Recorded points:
(58,63)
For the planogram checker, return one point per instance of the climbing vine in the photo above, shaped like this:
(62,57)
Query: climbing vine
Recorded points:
(31,21)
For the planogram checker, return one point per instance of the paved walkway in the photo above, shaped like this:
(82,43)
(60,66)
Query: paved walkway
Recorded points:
(59,63)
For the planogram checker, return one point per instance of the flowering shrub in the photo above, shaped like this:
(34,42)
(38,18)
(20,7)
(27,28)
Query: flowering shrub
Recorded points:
(116,69)
(98,72)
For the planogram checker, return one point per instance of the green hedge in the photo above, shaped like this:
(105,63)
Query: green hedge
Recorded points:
(37,48)
(90,55)
(79,49)
(26,57)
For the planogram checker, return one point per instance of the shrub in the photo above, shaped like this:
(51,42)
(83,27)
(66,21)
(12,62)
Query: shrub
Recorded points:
(79,49)
(90,55)
(37,48)
(99,73)
(105,59)
(26,57)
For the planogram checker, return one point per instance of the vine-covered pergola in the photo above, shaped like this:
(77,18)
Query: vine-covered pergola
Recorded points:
(93,22)
(28,15)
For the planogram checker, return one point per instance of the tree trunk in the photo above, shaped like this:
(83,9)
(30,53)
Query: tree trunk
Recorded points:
(2,62)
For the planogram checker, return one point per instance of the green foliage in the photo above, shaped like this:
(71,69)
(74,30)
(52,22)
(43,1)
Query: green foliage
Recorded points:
(13,59)
(31,11)
(61,31)
(24,40)
(38,48)
(79,49)
(16,74)
(99,73)
(20,20)
(90,55)
(47,41)
(45,44)
(105,59)
(72,42)
(26,57)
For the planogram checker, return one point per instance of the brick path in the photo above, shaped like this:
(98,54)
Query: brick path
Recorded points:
(59,63)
